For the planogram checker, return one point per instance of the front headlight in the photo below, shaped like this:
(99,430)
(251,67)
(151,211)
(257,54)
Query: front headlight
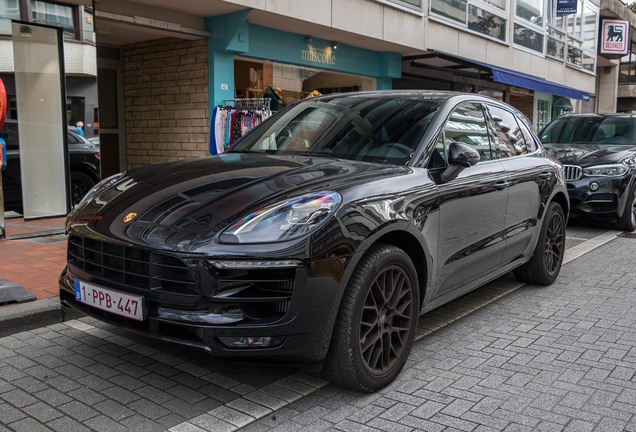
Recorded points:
(605,170)
(99,188)
(284,221)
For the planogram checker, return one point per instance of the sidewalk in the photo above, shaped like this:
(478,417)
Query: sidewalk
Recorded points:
(32,256)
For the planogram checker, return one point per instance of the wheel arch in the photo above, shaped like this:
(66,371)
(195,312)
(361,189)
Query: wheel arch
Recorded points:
(562,199)
(84,169)
(413,248)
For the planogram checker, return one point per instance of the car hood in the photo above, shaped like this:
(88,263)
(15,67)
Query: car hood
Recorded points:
(181,206)
(586,155)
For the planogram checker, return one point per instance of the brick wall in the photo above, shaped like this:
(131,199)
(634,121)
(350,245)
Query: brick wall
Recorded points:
(524,103)
(166,101)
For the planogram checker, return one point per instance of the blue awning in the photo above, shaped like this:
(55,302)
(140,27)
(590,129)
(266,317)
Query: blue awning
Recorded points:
(530,82)
(458,65)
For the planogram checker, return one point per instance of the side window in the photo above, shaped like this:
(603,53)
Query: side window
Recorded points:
(467,124)
(509,139)
(531,143)
(439,156)
(73,139)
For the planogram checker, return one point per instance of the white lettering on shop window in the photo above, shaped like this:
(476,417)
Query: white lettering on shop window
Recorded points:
(318,56)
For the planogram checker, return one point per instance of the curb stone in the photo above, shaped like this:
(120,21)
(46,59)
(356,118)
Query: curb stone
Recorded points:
(20,317)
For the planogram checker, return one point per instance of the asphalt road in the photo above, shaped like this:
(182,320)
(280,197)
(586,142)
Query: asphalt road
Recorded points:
(506,357)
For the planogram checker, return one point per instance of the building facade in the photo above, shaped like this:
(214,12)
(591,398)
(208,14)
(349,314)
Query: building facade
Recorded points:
(164,68)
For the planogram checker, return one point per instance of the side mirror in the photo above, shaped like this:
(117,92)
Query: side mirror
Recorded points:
(460,156)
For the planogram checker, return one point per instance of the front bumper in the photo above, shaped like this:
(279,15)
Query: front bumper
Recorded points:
(601,197)
(294,307)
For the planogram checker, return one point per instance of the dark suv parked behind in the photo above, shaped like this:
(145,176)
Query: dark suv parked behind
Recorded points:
(598,152)
(84,160)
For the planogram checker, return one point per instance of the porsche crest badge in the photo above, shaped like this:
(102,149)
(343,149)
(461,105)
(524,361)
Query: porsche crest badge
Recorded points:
(129,217)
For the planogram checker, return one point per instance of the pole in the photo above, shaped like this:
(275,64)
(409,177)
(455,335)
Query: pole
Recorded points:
(3,232)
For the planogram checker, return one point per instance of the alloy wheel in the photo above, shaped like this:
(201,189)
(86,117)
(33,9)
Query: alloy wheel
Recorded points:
(554,243)
(385,325)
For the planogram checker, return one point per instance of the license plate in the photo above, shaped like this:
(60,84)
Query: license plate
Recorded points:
(119,303)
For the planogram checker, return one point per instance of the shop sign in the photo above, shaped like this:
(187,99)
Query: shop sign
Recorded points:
(150,22)
(566,7)
(318,56)
(614,38)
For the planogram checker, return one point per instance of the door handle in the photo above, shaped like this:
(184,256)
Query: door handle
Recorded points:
(501,185)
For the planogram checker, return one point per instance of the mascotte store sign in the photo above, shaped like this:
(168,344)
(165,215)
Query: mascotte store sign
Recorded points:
(614,38)
(319,56)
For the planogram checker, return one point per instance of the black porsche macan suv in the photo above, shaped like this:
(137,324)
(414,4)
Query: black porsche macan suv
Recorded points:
(324,233)
(598,152)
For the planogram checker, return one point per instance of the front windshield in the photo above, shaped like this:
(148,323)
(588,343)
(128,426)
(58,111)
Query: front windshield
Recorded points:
(383,130)
(591,129)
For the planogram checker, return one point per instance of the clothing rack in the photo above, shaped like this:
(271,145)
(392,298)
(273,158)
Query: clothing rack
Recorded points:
(248,102)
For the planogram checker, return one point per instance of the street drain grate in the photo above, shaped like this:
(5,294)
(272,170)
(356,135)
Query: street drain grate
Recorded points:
(631,235)
(12,293)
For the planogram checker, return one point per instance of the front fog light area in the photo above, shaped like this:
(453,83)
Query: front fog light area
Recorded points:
(252,341)
(593,186)
(223,315)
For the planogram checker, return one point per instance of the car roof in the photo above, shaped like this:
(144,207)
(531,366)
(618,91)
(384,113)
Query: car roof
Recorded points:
(597,115)
(437,95)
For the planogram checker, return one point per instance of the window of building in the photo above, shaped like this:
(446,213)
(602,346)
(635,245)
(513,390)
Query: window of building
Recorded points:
(414,5)
(486,23)
(454,10)
(556,43)
(53,14)
(544,111)
(486,17)
(572,38)
(9,10)
(528,38)
(88,28)
(627,68)
(531,11)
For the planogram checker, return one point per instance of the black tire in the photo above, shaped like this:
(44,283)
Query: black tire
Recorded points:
(547,258)
(627,222)
(376,322)
(81,183)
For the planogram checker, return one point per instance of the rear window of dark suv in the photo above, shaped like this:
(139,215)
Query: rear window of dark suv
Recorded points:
(591,129)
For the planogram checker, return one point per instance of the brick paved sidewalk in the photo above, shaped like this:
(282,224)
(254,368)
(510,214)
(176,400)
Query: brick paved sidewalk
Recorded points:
(33,255)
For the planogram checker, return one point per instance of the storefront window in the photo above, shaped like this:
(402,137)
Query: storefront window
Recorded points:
(9,9)
(486,23)
(54,15)
(528,38)
(451,9)
(544,112)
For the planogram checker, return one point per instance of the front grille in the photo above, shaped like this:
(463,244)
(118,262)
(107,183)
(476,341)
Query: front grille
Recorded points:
(130,266)
(572,172)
